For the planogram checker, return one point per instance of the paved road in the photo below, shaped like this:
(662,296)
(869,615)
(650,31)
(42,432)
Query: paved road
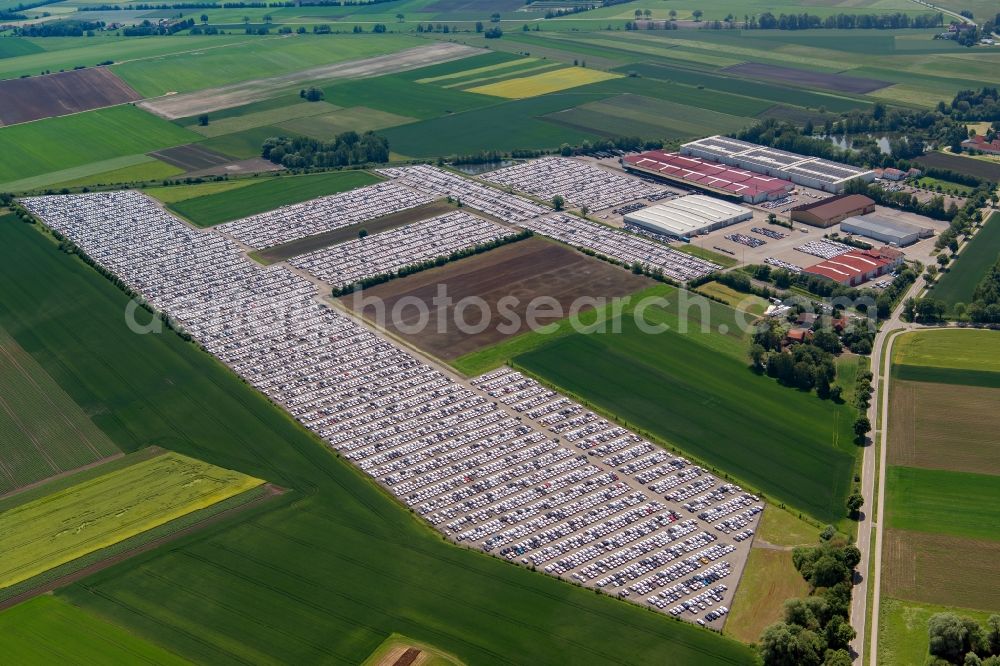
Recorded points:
(866,526)
(880,364)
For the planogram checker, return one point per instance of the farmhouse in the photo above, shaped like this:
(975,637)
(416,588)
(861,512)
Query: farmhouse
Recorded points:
(980,143)
(885,229)
(806,171)
(708,176)
(857,266)
(688,216)
(829,212)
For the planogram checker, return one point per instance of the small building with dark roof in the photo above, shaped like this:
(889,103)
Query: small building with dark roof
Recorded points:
(828,212)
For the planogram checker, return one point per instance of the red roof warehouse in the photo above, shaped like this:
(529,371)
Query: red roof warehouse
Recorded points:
(857,266)
(708,175)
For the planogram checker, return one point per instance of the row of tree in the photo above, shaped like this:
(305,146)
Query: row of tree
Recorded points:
(347,148)
(806,21)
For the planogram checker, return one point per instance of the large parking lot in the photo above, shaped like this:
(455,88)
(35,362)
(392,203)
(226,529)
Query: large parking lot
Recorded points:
(500,464)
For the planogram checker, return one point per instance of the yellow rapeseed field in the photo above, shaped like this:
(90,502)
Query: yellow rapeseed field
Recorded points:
(94,514)
(546,82)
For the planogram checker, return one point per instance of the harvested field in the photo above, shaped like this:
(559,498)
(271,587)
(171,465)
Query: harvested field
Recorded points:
(238,168)
(939,569)
(191,157)
(959,164)
(524,270)
(43,432)
(55,529)
(944,427)
(541,84)
(60,94)
(806,78)
(768,581)
(213,99)
(299,246)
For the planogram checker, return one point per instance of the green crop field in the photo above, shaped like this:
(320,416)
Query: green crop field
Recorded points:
(42,431)
(902,632)
(250,119)
(972,349)
(637,115)
(267,194)
(959,283)
(56,529)
(151,169)
(795,447)
(395,94)
(336,566)
(253,59)
(942,501)
(49,630)
(505,126)
(36,148)
(359,119)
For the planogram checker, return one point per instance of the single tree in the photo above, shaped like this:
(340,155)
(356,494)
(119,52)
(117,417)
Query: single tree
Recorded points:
(697,14)
(558,202)
(203,119)
(854,503)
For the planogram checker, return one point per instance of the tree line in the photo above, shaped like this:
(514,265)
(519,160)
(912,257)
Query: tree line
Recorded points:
(345,149)
(806,21)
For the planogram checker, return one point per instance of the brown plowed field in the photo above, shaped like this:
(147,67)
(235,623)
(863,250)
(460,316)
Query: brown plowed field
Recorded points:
(806,78)
(525,270)
(966,165)
(60,94)
(940,569)
(944,426)
(191,157)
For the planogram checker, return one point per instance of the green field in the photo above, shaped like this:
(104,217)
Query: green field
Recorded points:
(59,528)
(152,169)
(31,149)
(977,350)
(267,194)
(943,502)
(49,630)
(959,283)
(631,115)
(251,59)
(332,569)
(42,431)
(902,632)
(794,447)
(401,96)
(358,118)
(506,126)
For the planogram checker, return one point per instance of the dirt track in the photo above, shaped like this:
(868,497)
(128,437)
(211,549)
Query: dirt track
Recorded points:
(172,107)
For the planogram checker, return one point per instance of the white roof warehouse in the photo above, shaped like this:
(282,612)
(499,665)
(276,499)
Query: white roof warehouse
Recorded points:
(688,216)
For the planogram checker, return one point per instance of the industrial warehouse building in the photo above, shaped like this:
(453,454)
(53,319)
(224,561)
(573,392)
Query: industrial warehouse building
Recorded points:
(829,212)
(708,176)
(806,171)
(885,229)
(688,216)
(857,266)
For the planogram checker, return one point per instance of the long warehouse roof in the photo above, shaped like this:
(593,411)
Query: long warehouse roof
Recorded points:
(686,215)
